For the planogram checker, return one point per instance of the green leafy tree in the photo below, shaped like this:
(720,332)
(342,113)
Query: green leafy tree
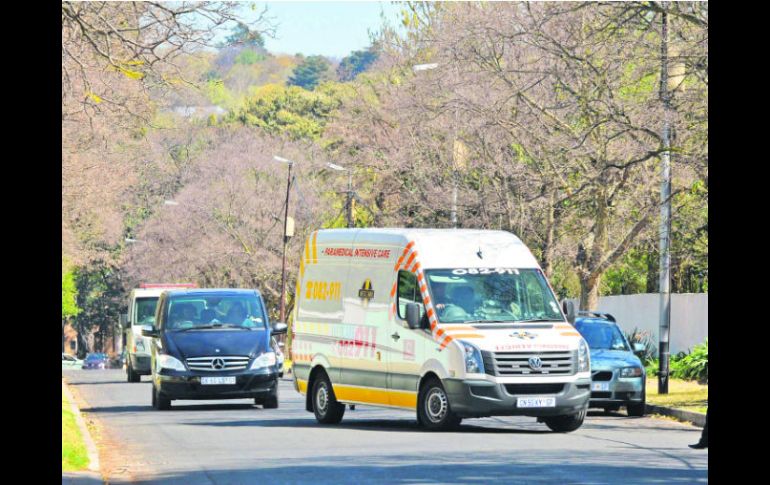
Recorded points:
(311,72)
(354,64)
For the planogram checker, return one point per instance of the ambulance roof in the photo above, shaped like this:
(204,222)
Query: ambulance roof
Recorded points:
(440,248)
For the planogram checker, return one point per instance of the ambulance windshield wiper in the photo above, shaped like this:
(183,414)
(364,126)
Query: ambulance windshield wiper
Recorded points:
(538,320)
(489,321)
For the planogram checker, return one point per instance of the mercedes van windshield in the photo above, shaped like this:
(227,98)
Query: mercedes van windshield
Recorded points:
(492,295)
(202,311)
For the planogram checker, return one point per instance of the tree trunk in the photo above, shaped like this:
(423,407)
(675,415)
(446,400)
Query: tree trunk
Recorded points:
(549,237)
(589,294)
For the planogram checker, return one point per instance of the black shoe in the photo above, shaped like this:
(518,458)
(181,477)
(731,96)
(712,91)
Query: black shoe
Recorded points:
(699,446)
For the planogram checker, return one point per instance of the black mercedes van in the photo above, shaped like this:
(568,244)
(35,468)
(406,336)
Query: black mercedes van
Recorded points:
(213,344)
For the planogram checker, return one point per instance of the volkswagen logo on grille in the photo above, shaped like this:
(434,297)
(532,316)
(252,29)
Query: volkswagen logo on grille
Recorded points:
(219,364)
(535,363)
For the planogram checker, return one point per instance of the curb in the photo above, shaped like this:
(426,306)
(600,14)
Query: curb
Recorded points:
(697,419)
(93,454)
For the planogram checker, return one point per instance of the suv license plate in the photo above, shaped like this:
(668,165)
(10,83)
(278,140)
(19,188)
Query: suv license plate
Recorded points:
(536,402)
(218,380)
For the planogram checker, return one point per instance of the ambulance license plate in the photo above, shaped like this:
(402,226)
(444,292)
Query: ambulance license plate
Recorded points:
(600,386)
(536,402)
(217,381)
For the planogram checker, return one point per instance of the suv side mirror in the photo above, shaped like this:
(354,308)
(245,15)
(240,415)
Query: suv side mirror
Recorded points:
(639,348)
(124,320)
(413,315)
(280,327)
(569,310)
(149,331)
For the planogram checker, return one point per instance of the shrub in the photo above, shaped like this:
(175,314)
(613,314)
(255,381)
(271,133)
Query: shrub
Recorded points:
(694,365)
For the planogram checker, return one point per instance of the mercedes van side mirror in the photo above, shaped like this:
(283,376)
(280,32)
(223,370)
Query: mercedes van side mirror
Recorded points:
(638,348)
(569,310)
(149,331)
(413,315)
(280,327)
(124,320)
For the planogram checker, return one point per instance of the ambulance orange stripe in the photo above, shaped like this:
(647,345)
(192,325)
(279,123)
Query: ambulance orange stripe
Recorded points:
(465,335)
(430,313)
(423,288)
(570,334)
(393,291)
(440,332)
(419,276)
(411,258)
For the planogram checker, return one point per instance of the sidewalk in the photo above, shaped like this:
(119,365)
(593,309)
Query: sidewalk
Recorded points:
(91,476)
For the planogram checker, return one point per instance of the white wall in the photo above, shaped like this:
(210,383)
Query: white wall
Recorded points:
(689,316)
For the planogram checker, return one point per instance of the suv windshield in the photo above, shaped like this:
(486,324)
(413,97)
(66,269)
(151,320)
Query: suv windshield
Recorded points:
(191,312)
(145,310)
(602,336)
(492,295)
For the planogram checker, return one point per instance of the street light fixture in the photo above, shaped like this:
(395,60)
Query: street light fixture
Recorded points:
(349,199)
(285,238)
(453,213)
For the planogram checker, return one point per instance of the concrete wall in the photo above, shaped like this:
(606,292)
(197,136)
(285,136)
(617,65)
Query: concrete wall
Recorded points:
(689,316)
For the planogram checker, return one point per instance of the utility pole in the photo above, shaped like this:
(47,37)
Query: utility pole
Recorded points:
(285,240)
(665,214)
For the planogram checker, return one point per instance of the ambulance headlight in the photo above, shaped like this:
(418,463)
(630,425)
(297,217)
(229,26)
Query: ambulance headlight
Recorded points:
(266,359)
(584,359)
(166,361)
(473,362)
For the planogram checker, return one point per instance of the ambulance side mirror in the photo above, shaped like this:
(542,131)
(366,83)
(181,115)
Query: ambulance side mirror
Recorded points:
(569,310)
(413,315)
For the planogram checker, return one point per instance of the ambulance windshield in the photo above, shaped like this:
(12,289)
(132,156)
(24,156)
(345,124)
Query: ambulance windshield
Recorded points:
(491,295)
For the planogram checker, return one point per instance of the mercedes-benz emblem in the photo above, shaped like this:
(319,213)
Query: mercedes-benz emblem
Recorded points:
(535,363)
(219,364)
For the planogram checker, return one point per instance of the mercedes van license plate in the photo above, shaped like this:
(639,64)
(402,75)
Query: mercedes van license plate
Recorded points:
(218,381)
(536,402)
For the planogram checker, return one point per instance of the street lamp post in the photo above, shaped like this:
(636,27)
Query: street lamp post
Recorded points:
(349,199)
(453,211)
(285,239)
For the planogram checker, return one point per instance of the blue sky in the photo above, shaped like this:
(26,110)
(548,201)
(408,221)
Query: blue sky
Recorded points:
(327,28)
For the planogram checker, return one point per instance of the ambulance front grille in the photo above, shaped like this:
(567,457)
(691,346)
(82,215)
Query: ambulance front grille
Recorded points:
(505,364)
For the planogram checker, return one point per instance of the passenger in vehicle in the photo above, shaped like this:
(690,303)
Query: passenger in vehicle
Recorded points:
(465,298)
(208,315)
(237,314)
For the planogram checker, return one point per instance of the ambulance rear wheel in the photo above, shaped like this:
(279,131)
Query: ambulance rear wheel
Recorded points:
(131,374)
(433,411)
(326,408)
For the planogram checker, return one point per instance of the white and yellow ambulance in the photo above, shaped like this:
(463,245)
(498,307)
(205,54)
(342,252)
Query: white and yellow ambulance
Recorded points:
(453,323)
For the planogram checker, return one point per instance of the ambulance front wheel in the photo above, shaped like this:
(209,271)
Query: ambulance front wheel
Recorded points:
(326,408)
(433,411)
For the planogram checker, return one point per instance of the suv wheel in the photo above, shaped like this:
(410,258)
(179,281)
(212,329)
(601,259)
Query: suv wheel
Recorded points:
(433,411)
(326,408)
(271,401)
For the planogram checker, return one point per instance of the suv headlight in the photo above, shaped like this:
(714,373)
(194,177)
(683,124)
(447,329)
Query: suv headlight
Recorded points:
(631,372)
(166,361)
(473,362)
(266,359)
(584,359)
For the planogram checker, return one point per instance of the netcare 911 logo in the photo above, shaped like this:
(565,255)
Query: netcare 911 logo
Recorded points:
(524,335)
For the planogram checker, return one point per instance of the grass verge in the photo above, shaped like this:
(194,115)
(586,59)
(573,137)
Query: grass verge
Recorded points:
(74,456)
(686,395)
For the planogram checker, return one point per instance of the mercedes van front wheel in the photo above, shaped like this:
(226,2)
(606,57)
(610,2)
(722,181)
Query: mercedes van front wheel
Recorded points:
(132,375)
(433,411)
(325,405)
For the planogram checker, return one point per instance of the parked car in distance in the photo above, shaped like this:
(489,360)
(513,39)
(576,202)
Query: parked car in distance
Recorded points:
(96,361)
(213,344)
(617,374)
(70,362)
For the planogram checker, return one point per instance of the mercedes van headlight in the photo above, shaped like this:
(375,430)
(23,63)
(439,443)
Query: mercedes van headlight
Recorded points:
(266,359)
(473,362)
(584,360)
(166,361)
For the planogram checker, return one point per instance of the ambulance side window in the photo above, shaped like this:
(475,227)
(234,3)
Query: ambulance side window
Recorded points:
(408,292)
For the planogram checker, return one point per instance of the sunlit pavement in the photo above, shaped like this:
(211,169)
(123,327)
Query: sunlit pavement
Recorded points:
(229,442)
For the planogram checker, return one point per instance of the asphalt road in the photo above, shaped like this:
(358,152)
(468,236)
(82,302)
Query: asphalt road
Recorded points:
(234,442)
